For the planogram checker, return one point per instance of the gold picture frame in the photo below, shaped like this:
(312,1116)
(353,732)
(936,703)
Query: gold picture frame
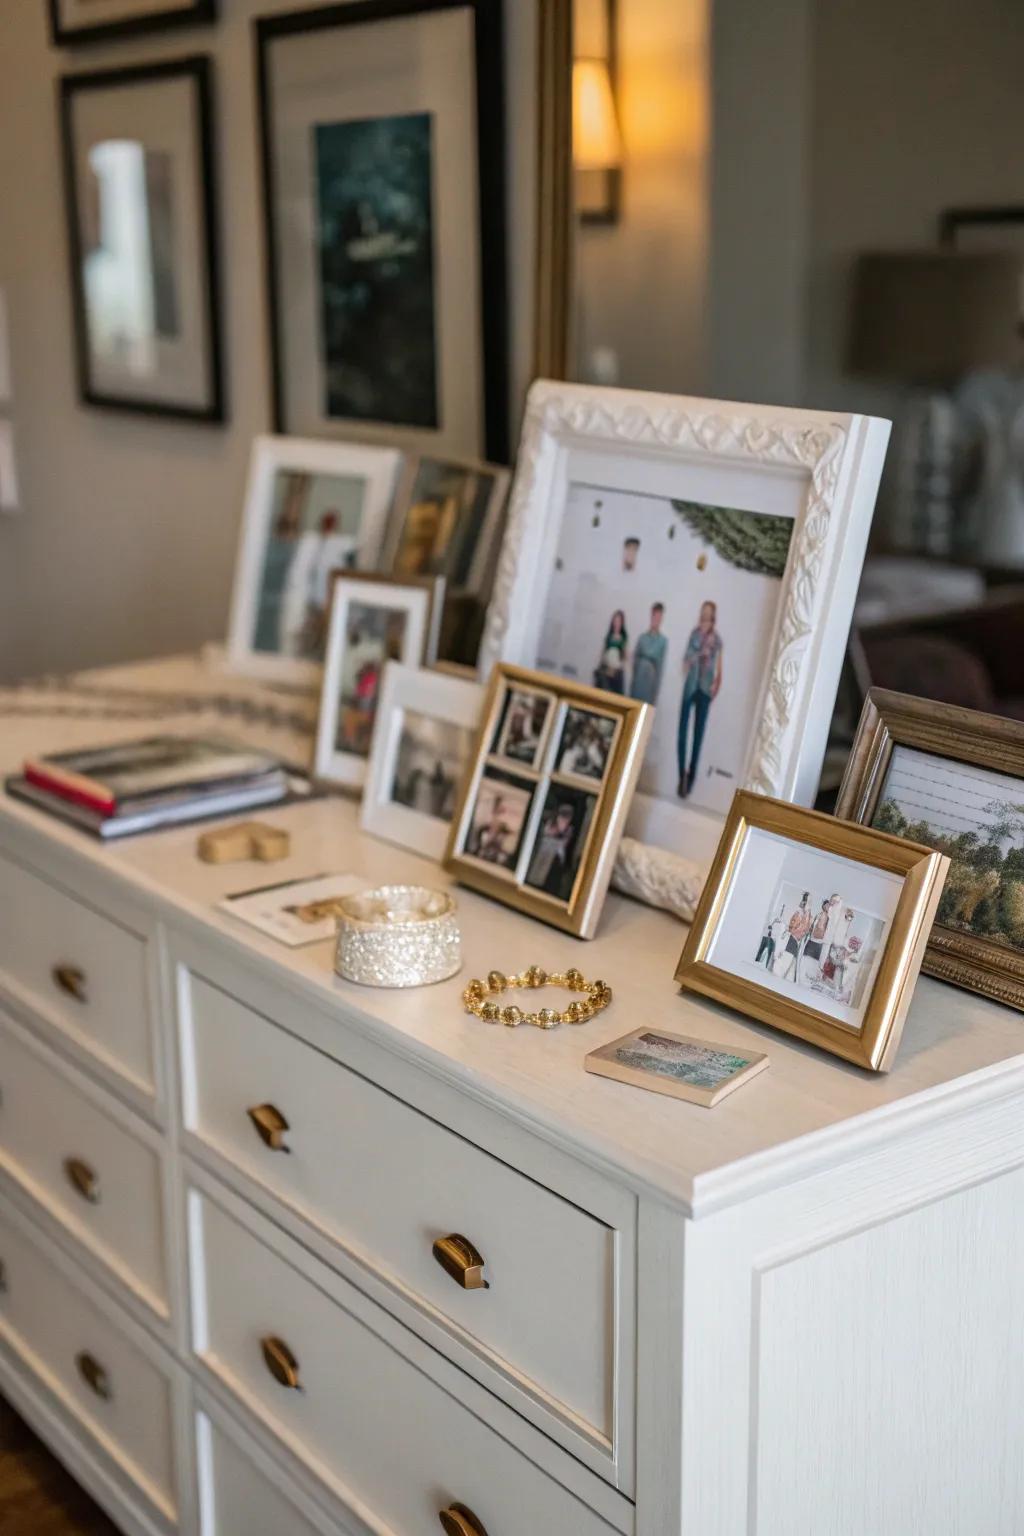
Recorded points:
(866,1034)
(544,801)
(955,735)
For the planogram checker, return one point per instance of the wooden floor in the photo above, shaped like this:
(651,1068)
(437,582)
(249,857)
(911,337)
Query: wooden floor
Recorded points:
(37,1497)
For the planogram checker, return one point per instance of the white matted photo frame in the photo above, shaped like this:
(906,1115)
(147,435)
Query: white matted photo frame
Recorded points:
(311,508)
(702,556)
(373,619)
(423,742)
(527,831)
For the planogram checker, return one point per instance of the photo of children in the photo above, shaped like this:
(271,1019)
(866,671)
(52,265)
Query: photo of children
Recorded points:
(374,636)
(561,840)
(521,727)
(499,819)
(585,744)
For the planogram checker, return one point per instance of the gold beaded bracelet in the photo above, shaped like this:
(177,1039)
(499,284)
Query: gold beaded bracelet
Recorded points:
(597,995)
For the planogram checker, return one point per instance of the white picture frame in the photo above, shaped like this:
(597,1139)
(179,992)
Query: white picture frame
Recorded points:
(418,601)
(822,469)
(434,696)
(272,456)
(9,499)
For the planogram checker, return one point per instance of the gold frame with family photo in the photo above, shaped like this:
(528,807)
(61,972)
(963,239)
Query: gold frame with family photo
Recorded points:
(534,827)
(417,601)
(945,775)
(862,1023)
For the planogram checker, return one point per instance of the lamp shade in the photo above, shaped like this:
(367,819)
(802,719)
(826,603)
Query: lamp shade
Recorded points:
(929,317)
(596,141)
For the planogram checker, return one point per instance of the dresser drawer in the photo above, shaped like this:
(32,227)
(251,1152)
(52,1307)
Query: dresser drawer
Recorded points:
(95,1366)
(300,1348)
(70,1147)
(83,972)
(388,1182)
(238,1498)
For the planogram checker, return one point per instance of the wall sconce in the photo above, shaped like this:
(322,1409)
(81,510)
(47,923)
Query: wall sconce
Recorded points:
(596,139)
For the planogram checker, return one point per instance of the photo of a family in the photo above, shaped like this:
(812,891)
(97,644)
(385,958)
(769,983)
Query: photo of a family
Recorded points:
(432,756)
(561,840)
(586,743)
(374,636)
(819,943)
(522,726)
(644,593)
(499,819)
(314,530)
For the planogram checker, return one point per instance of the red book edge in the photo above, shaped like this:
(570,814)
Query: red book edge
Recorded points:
(70,786)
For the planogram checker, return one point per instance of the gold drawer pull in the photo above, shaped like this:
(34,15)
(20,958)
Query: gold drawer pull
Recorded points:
(83,1179)
(280,1362)
(460,1259)
(71,979)
(270,1126)
(94,1375)
(457,1520)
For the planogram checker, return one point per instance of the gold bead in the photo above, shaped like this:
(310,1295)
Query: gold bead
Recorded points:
(512,1016)
(547,1018)
(474,993)
(496,981)
(490,1013)
(574,980)
(535,976)
(576,1012)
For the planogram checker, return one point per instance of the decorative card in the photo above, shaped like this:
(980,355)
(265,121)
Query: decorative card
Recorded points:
(678,1065)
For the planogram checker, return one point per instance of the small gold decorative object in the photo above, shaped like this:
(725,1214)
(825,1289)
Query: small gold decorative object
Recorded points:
(478,994)
(398,936)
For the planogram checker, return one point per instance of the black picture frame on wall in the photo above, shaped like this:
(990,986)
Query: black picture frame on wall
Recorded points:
(491,259)
(190,352)
(161,19)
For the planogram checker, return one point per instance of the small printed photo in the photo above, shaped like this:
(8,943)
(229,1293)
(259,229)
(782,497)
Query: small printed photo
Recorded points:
(820,944)
(429,765)
(586,744)
(683,1068)
(561,840)
(521,729)
(499,819)
(374,635)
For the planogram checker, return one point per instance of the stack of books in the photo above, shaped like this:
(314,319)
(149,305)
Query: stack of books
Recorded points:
(159,781)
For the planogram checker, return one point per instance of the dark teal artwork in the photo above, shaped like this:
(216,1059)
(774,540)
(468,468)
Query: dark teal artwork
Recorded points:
(376,268)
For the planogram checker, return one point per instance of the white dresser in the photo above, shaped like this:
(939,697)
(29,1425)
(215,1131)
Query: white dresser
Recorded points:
(799,1312)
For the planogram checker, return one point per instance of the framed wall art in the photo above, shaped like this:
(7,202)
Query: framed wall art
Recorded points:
(374,619)
(952,778)
(423,743)
(141,209)
(815,926)
(541,812)
(382,125)
(701,556)
(311,508)
(105,21)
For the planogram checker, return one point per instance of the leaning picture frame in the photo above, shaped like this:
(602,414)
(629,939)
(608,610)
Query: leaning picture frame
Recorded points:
(952,778)
(311,508)
(814,926)
(106,21)
(423,741)
(748,523)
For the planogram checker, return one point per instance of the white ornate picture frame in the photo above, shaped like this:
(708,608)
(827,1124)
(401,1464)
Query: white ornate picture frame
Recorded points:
(819,469)
(423,744)
(307,484)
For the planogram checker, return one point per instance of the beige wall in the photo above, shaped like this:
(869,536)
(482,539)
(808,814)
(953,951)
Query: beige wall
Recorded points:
(126,541)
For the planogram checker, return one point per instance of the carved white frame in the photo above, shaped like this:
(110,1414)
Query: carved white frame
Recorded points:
(832,461)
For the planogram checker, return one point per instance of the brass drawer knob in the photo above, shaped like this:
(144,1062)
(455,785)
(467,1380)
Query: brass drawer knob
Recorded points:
(83,1179)
(280,1362)
(457,1520)
(71,979)
(457,1256)
(94,1375)
(270,1126)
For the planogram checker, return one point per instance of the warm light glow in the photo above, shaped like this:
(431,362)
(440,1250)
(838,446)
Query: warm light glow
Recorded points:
(596,142)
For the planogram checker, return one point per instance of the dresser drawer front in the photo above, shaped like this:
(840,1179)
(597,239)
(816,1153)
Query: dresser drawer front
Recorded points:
(237,1498)
(387,1182)
(366,1420)
(69,1149)
(84,972)
(114,1388)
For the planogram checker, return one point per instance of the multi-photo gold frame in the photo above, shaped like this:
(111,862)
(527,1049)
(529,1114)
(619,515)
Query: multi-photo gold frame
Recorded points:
(814,926)
(543,806)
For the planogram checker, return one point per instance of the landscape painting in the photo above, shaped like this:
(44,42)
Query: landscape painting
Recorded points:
(975,816)
(374,202)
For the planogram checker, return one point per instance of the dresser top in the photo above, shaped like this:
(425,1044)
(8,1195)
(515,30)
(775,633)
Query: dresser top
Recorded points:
(798,1115)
